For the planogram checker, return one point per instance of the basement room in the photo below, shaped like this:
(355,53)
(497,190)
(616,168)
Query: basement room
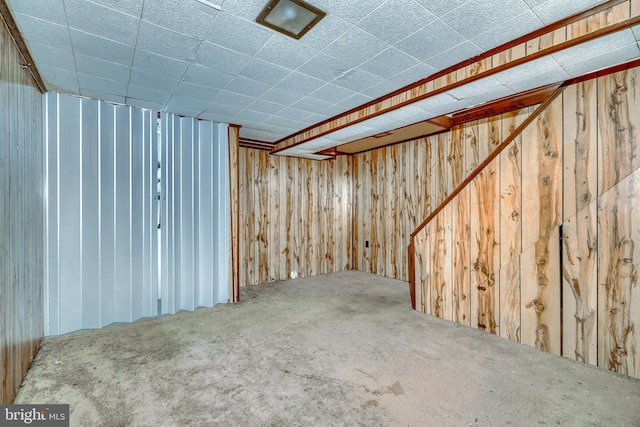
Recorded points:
(319,212)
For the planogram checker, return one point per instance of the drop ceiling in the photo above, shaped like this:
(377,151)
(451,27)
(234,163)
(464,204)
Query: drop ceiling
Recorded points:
(217,63)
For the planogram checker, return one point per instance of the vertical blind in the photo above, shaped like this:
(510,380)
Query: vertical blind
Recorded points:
(101,247)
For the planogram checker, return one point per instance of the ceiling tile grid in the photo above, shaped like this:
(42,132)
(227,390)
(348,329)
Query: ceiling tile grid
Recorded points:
(183,56)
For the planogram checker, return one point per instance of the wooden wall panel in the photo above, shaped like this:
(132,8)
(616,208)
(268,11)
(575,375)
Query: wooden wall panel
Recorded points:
(618,109)
(234,183)
(21,219)
(461,231)
(295,215)
(541,218)
(510,162)
(485,255)
(619,299)
(579,230)
(564,208)
(392,193)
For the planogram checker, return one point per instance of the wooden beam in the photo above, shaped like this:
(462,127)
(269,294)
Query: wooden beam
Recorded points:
(12,27)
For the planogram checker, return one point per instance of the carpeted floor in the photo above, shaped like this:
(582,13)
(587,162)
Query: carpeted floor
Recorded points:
(330,350)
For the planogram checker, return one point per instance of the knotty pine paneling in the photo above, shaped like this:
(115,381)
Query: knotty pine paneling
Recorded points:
(391,196)
(295,216)
(618,112)
(619,299)
(579,229)
(541,218)
(567,196)
(21,218)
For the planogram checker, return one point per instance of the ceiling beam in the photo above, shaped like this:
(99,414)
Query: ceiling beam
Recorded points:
(608,18)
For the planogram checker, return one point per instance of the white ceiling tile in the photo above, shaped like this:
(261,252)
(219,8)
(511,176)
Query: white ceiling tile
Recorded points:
(406,115)
(490,95)
(99,47)
(222,110)
(166,42)
(101,21)
(311,104)
(354,101)
(436,105)
(409,76)
(607,59)
(198,92)
(556,75)
(454,55)
(474,17)
(147,94)
(348,10)
(246,9)
(355,46)
(263,106)
(43,32)
(324,67)
(430,41)
(389,63)
(636,32)
(181,103)
(396,19)
(530,69)
(219,58)
(440,7)
(285,51)
(130,7)
(325,32)
(59,78)
(247,86)
(44,9)
(291,124)
(554,10)
(97,67)
(259,135)
(314,118)
(203,76)
(332,93)
(265,72)
(102,85)
(508,30)
(251,116)
(237,34)
(159,64)
(103,96)
(281,96)
(233,99)
(357,80)
(300,83)
(185,17)
(47,55)
(152,81)
(474,88)
(292,113)
(568,58)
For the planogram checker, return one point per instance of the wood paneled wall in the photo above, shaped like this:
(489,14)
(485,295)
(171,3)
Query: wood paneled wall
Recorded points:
(295,216)
(396,187)
(543,239)
(21,218)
